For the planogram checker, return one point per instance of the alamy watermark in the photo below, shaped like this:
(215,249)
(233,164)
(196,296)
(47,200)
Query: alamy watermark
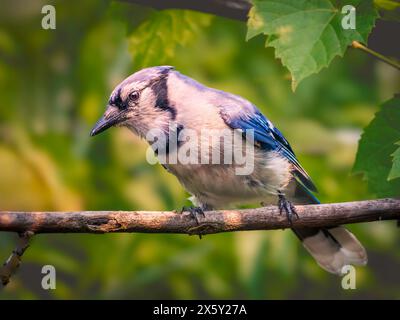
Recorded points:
(49,18)
(349,20)
(349,276)
(49,278)
(193,147)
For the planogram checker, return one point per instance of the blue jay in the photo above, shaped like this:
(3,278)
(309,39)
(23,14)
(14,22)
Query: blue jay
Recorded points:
(155,97)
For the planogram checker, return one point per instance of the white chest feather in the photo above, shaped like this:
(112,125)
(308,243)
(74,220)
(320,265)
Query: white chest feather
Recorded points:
(220,186)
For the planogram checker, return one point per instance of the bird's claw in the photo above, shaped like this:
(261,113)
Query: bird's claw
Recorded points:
(288,207)
(194,213)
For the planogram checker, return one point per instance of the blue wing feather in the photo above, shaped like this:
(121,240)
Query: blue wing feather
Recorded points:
(269,138)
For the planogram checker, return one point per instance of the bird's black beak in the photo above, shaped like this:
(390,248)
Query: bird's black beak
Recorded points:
(111,117)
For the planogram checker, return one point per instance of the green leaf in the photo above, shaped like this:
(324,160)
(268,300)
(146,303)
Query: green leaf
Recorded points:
(390,9)
(155,40)
(306,34)
(387,4)
(376,147)
(395,172)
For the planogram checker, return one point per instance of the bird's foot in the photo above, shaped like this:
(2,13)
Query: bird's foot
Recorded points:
(194,212)
(288,207)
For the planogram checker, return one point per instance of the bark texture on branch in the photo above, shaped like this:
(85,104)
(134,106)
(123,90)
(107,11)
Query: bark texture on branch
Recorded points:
(265,218)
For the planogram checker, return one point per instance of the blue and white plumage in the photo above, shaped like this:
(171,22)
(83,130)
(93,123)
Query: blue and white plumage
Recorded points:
(158,97)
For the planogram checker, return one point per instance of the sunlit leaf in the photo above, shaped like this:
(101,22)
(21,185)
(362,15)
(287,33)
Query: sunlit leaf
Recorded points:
(387,4)
(155,40)
(389,9)
(307,35)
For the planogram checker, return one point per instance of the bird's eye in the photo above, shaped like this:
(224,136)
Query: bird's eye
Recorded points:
(133,96)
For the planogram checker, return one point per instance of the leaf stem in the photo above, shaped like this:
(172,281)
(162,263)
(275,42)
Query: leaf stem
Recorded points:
(391,62)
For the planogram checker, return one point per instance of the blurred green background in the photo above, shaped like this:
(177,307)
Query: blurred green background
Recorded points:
(54,84)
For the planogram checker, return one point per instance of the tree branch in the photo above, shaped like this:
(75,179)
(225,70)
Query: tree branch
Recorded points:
(265,218)
(11,265)
(233,9)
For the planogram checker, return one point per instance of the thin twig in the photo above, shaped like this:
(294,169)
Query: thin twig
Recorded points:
(389,61)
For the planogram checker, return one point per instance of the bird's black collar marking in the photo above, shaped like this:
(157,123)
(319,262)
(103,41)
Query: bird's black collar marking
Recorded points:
(160,89)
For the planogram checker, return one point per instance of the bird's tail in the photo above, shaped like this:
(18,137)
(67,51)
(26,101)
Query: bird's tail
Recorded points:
(332,248)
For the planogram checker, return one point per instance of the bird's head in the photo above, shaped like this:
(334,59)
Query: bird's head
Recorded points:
(140,102)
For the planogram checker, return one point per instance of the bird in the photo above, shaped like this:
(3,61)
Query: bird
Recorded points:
(159,98)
